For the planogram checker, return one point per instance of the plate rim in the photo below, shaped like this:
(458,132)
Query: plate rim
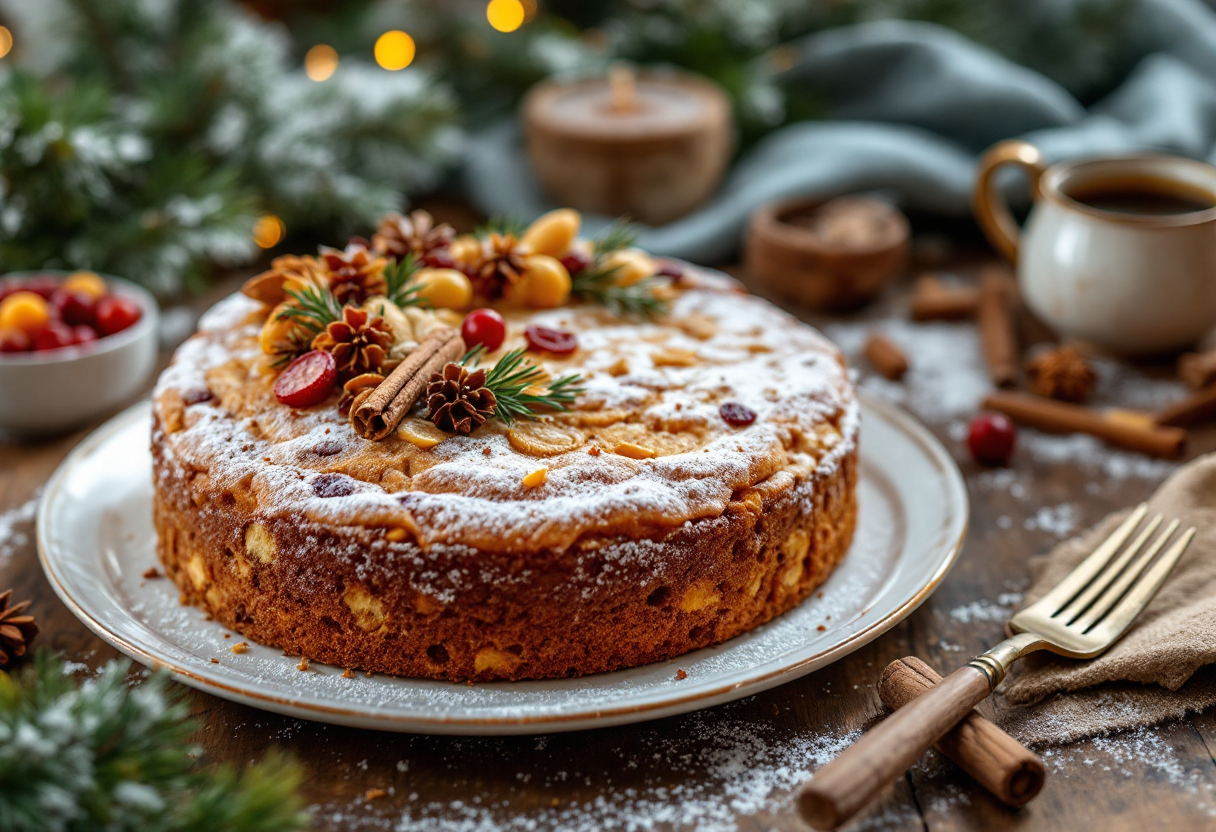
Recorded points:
(593,717)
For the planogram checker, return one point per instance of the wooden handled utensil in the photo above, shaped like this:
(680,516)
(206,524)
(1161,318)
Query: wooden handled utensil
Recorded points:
(1081,617)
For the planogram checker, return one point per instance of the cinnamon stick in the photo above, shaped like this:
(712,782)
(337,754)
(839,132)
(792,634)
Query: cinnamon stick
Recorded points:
(997,336)
(1197,369)
(377,415)
(1060,417)
(1196,408)
(886,356)
(932,300)
(995,760)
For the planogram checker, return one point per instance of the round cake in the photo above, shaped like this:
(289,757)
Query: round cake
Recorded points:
(698,479)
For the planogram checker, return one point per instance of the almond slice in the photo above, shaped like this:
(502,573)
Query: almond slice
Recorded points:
(674,357)
(698,326)
(543,438)
(635,451)
(420,433)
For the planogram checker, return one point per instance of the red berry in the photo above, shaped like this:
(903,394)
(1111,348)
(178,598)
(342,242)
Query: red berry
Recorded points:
(738,415)
(544,339)
(14,340)
(992,438)
(54,335)
(308,380)
(40,284)
(75,308)
(83,334)
(114,314)
(576,261)
(438,259)
(485,327)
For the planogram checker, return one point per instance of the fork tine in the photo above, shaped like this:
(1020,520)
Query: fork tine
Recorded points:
(1116,589)
(1104,579)
(1079,578)
(1144,589)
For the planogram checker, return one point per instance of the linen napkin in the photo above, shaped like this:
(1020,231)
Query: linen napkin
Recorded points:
(1159,669)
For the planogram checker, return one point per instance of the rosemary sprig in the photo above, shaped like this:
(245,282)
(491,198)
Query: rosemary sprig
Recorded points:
(503,225)
(621,234)
(511,376)
(399,276)
(597,284)
(315,309)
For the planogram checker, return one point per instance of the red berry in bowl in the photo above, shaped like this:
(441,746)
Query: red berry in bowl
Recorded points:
(308,380)
(483,327)
(54,335)
(83,334)
(14,340)
(75,308)
(114,314)
(576,261)
(736,414)
(992,438)
(43,285)
(556,341)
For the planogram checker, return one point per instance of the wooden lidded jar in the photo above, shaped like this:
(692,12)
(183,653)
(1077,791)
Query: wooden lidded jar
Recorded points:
(651,147)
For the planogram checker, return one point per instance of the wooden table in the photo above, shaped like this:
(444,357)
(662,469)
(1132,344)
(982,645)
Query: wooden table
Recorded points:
(734,765)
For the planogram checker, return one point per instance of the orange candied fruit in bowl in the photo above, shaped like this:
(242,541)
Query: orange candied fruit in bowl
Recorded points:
(43,312)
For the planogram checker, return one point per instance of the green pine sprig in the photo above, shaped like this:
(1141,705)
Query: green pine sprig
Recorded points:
(106,754)
(512,375)
(597,283)
(315,309)
(400,279)
(504,225)
(620,235)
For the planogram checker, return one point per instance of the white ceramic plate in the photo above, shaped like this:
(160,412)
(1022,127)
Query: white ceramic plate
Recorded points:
(96,540)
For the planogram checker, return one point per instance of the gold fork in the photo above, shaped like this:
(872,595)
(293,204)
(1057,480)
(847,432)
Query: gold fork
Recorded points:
(1081,617)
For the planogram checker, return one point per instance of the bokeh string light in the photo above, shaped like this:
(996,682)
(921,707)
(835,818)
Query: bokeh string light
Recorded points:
(506,15)
(268,231)
(321,61)
(394,50)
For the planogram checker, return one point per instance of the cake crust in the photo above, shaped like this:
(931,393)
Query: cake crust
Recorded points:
(440,563)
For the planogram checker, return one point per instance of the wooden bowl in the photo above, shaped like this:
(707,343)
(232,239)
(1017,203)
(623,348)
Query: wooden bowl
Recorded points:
(827,255)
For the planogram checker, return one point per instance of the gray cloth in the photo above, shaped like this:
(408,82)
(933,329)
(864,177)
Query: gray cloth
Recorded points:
(910,106)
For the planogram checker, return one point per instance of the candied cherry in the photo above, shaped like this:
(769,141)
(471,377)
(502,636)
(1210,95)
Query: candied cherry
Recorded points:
(576,260)
(114,314)
(671,269)
(83,334)
(308,380)
(74,306)
(736,414)
(14,340)
(483,327)
(991,438)
(438,258)
(24,310)
(54,335)
(545,339)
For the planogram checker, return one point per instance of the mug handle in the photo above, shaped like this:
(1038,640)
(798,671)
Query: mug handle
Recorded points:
(989,206)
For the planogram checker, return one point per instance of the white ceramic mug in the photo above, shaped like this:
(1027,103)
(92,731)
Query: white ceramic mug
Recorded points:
(1132,283)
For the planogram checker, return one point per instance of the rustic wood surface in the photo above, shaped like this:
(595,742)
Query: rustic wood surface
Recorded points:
(476,784)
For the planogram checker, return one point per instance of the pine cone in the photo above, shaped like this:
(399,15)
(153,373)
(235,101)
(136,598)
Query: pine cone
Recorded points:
(354,274)
(286,272)
(459,401)
(16,629)
(417,234)
(358,342)
(500,264)
(1061,373)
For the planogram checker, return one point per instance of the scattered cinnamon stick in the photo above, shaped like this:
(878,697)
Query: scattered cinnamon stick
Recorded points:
(1197,369)
(933,300)
(1060,417)
(886,356)
(998,762)
(997,336)
(377,414)
(1196,408)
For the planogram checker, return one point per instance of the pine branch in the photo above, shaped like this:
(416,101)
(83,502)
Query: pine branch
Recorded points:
(621,234)
(597,284)
(510,380)
(399,277)
(507,225)
(315,309)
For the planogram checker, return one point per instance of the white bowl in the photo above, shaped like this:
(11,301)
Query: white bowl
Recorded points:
(55,391)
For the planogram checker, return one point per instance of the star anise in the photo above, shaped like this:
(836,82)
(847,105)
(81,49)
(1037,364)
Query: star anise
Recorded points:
(17,629)
(459,401)
(355,274)
(417,234)
(500,263)
(1061,373)
(359,343)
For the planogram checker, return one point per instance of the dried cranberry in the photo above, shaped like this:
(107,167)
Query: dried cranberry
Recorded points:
(308,380)
(196,395)
(332,485)
(671,269)
(738,415)
(438,259)
(483,327)
(576,261)
(544,339)
(329,447)
(991,438)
